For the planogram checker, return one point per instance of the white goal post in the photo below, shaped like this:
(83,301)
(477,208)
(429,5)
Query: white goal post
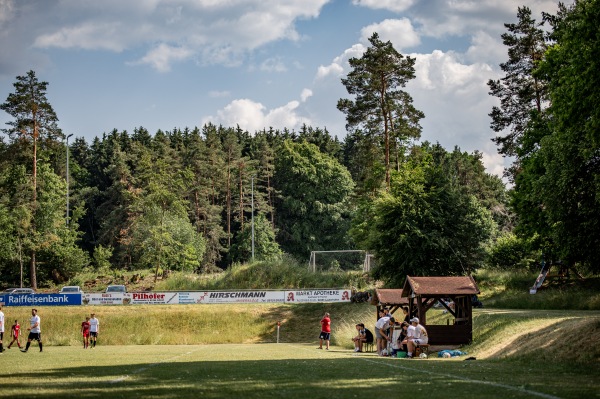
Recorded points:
(366,262)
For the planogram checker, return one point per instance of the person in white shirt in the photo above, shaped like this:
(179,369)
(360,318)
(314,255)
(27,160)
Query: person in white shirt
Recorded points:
(35,330)
(420,336)
(1,329)
(94,329)
(381,333)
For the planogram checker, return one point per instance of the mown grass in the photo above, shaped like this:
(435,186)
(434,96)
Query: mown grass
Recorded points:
(510,289)
(277,371)
(195,324)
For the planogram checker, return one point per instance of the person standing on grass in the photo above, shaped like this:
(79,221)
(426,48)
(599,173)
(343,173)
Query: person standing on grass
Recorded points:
(382,333)
(94,329)
(325,331)
(35,330)
(85,331)
(14,333)
(1,329)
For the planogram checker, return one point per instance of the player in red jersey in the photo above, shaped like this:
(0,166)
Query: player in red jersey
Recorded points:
(85,331)
(15,331)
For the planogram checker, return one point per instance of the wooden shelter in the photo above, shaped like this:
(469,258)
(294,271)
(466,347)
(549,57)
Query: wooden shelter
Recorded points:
(423,292)
(391,299)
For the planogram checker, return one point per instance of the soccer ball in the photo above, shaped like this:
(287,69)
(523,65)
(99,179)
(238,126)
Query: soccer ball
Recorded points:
(384,352)
(423,355)
(447,355)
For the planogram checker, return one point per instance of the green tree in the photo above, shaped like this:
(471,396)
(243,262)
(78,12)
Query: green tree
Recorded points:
(381,108)
(567,186)
(427,224)
(313,209)
(265,245)
(522,95)
(35,120)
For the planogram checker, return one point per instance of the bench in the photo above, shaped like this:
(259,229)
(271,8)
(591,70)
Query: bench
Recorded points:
(368,346)
(421,348)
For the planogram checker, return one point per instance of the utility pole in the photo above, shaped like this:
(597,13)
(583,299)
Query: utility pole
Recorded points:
(68,178)
(252,186)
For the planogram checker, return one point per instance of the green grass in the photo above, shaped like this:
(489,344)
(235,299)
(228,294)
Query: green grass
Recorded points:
(230,350)
(510,289)
(276,371)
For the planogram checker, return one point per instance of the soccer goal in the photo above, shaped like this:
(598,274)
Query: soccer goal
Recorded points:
(342,260)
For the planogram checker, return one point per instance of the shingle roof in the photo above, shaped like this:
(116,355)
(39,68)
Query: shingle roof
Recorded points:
(461,285)
(391,297)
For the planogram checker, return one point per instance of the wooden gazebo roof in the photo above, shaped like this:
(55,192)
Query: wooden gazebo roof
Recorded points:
(390,297)
(439,286)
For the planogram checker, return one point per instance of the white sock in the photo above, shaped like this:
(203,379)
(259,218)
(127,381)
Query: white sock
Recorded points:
(409,354)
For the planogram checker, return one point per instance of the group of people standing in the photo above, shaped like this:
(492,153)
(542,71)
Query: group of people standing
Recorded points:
(90,328)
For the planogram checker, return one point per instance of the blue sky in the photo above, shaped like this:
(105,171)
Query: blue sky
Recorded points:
(164,64)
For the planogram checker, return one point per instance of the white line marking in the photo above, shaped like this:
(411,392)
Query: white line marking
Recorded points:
(410,369)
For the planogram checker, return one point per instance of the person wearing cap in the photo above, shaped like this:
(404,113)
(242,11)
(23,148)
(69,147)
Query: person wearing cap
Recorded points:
(420,337)
(382,334)
(94,330)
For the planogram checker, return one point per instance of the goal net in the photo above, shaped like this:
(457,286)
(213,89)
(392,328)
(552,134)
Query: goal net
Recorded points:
(342,260)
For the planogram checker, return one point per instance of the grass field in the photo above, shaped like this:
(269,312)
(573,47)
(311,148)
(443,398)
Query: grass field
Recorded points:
(222,351)
(275,371)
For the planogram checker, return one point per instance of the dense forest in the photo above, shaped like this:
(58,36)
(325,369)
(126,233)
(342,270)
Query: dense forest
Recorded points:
(201,199)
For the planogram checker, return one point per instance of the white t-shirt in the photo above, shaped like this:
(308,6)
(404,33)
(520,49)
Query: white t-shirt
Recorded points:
(421,334)
(35,319)
(1,322)
(395,336)
(383,323)
(94,324)
(410,332)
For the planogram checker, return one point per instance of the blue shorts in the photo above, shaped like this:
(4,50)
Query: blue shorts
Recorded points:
(324,335)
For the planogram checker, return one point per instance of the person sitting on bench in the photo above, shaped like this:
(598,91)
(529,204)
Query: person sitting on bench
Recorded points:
(362,337)
(419,338)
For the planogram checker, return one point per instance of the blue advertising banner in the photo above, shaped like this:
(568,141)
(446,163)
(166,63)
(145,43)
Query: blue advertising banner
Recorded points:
(40,299)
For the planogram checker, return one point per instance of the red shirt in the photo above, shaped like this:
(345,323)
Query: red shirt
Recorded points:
(15,330)
(326,324)
(85,327)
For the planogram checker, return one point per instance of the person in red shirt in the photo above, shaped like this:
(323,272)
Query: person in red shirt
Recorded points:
(325,331)
(85,331)
(14,333)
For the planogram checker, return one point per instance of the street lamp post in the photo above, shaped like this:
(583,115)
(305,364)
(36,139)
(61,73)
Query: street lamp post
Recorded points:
(252,185)
(68,178)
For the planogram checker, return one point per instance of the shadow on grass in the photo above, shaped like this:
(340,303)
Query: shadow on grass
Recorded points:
(335,377)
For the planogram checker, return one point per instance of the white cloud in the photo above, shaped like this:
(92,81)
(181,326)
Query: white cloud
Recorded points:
(440,18)
(399,32)
(339,65)
(273,65)
(485,48)
(392,5)
(306,93)
(161,57)
(87,36)
(252,116)
(219,94)
(219,32)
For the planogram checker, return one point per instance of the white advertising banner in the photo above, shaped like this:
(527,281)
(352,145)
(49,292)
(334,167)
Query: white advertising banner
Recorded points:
(216,297)
(107,299)
(211,297)
(315,296)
